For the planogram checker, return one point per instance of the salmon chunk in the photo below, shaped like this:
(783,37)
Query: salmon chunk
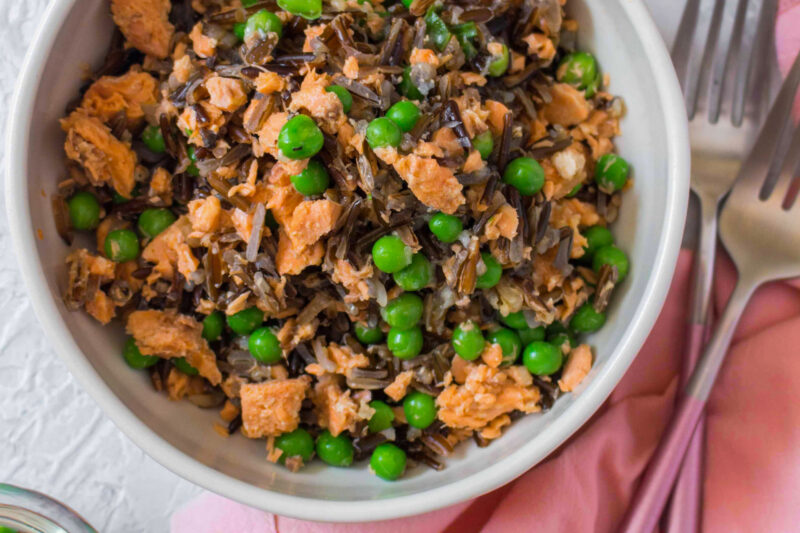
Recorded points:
(145,24)
(168,250)
(312,220)
(336,410)
(109,95)
(272,407)
(292,259)
(567,107)
(171,335)
(226,93)
(398,388)
(577,367)
(107,160)
(321,104)
(433,185)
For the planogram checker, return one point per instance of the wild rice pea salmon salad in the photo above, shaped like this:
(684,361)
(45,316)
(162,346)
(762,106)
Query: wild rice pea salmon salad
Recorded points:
(361,230)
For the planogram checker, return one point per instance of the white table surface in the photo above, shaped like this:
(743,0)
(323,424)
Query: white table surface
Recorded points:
(53,437)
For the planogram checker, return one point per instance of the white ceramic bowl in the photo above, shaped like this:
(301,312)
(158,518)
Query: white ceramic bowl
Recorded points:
(180,436)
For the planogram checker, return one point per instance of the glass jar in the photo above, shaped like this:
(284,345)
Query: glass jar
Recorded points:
(27,511)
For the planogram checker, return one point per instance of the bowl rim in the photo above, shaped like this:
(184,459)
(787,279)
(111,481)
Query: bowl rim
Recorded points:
(505,470)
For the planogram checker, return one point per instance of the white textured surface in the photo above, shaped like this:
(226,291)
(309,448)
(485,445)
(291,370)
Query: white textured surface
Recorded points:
(53,437)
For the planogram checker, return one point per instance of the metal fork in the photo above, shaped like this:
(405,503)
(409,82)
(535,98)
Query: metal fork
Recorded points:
(760,227)
(715,49)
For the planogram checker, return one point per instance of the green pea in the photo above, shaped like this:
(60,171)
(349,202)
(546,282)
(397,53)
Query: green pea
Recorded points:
(611,255)
(542,358)
(408,3)
(561,340)
(153,221)
(509,342)
(263,22)
(575,190)
(264,346)
(420,409)
(300,138)
(445,227)
(388,461)
(239,29)
(84,211)
(212,326)
(344,96)
(308,9)
(391,254)
(611,172)
(404,312)
(313,180)
(558,335)
(4,529)
(248,3)
(514,320)
(368,335)
(528,335)
(182,365)
(294,444)
(494,271)
(336,451)
(382,418)
(405,343)
(525,174)
(382,132)
(499,64)
(134,358)
(407,87)
(579,69)
(121,245)
(596,238)
(437,29)
(587,320)
(468,341)
(153,139)
(484,144)
(405,114)
(245,321)
(415,276)
(192,169)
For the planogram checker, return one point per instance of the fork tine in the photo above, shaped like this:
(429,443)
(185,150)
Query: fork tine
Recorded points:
(682,47)
(787,169)
(773,128)
(706,27)
(730,21)
(756,26)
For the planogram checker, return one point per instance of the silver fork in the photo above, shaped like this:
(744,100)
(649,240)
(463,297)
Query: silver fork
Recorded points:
(760,227)
(715,49)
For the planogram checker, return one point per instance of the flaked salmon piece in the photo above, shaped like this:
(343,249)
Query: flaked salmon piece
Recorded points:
(101,307)
(486,394)
(182,69)
(213,121)
(346,359)
(169,250)
(268,134)
(424,55)
(575,214)
(567,107)
(112,94)
(335,409)
(350,68)
(577,367)
(492,355)
(269,82)
(282,200)
(497,111)
(107,160)
(272,407)
(292,260)
(504,223)
(570,165)
(227,94)
(495,428)
(399,387)
(540,45)
(460,369)
(171,335)
(445,139)
(473,115)
(204,214)
(433,185)
(229,411)
(545,274)
(180,385)
(248,188)
(517,62)
(292,333)
(145,24)
(321,104)
(161,185)
(472,78)
(203,45)
(574,296)
(311,32)
(427,149)
(354,281)
(312,220)
(474,162)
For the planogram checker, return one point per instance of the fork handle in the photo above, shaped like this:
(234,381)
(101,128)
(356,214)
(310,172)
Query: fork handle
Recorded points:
(652,494)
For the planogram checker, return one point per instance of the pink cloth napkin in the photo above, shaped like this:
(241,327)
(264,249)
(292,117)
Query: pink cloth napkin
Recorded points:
(753,430)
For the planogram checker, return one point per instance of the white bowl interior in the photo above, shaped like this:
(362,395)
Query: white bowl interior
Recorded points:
(646,230)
